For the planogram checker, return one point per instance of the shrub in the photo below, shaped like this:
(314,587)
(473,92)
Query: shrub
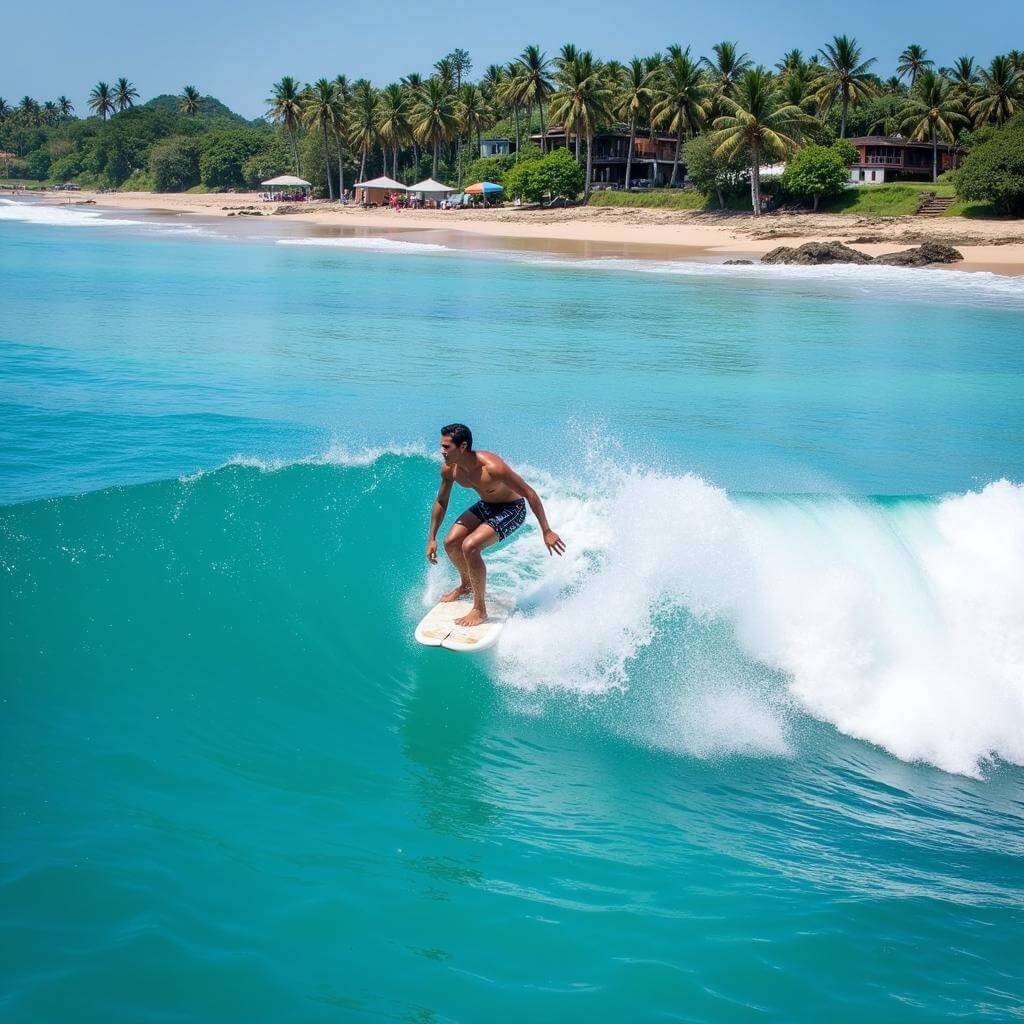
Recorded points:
(556,174)
(817,171)
(711,174)
(994,170)
(174,164)
(222,156)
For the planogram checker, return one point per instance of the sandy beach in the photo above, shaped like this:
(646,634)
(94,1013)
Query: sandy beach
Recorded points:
(991,245)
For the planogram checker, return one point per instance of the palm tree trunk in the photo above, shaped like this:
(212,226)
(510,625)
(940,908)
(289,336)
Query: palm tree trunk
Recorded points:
(629,155)
(755,178)
(341,168)
(437,154)
(935,155)
(362,166)
(679,146)
(394,162)
(842,123)
(515,114)
(295,153)
(577,142)
(327,162)
(590,165)
(543,130)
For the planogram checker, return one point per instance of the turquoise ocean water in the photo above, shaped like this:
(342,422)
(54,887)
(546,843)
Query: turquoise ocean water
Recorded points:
(753,750)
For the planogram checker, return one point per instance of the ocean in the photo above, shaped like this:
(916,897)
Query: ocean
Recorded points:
(753,749)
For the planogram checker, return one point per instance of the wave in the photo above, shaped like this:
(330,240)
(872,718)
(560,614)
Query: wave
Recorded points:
(681,617)
(393,245)
(65,216)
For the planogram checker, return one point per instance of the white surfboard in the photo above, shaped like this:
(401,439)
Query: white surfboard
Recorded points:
(437,628)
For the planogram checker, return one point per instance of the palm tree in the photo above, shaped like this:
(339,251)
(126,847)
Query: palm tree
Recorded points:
(999,91)
(933,109)
(633,97)
(797,87)
(792,61)
(760,124)
(65,108)
(537,86)
(363,123)
(492,81)
(50,113)
(5,110)
(473,113)
(893,86)
(125,94)
(725,70)
(913,61)
(583,100)
(435,116)
(31,115)
(682,104)
(101,100)
(963,74)
(845,76)
(285,105)
(342,99)
(392,120)
(319,112)
(513,95)
(445,70)
(188,101)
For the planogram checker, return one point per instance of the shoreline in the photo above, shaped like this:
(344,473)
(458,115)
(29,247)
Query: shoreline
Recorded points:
(996,246)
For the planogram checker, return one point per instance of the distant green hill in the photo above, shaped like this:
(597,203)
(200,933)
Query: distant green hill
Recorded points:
(209,106)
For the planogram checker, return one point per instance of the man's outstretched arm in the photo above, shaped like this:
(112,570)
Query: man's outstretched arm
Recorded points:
(552,541)
(437,516)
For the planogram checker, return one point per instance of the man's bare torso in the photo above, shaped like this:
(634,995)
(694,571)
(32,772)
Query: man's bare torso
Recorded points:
(482,478)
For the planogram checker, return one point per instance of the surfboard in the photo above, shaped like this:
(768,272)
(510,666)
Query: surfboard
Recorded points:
(437,628)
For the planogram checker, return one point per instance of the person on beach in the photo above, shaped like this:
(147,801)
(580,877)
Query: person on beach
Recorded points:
(499,513)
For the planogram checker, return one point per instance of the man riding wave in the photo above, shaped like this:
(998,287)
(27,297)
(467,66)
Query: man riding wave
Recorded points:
(499,513)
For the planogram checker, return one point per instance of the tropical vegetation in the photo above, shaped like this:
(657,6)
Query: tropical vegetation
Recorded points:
(725,115)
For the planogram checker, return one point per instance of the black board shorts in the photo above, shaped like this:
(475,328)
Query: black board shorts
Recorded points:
(504,517)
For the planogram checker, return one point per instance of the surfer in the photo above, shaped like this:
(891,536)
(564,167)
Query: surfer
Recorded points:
(500,512)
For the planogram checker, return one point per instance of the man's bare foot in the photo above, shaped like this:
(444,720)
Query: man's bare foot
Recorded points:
(473,618)
(462,590)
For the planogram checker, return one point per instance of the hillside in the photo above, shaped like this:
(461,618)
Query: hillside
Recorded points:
(209,106)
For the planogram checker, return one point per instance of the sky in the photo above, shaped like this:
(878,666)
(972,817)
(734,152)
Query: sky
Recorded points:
(236,52)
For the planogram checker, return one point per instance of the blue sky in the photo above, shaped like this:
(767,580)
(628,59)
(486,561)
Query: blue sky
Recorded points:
(235,52)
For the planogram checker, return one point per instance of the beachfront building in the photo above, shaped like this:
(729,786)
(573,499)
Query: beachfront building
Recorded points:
(882,158)
(496,147)
(377,191)
(652,158)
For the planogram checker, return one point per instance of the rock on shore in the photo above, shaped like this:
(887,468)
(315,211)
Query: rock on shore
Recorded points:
(814,253)
(921,256)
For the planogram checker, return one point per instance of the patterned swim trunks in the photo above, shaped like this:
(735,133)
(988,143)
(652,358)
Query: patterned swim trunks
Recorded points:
(504,518)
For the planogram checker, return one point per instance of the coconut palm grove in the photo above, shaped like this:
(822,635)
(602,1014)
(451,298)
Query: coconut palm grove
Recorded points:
(720,116)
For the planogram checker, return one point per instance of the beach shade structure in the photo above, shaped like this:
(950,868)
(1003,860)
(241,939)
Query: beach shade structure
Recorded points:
(429,187)
(286,181)
(375,192)
(483,188)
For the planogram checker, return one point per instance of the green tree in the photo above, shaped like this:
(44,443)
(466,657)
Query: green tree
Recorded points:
(537,86)
(933,111)
(223,155)
(682,103)
(714,175)
(993,171)
(724,70)
(188,101)
(845,76)
(556,174)
(435,116)
(998,91)
(583,100)
(363,121)
(65,108)
(101,100)
(285,105)
(319,113)
(125,94)
(473,114)
(174,164)
(913,61)
(759,124)
(392,119)
(816,171)
(633,97)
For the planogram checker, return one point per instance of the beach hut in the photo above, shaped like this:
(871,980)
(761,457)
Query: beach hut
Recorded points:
(430,189)
(375,192)
(484,188)
(286,182)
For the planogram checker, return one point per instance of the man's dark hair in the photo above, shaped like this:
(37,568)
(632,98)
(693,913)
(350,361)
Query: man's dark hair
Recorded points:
(458,432)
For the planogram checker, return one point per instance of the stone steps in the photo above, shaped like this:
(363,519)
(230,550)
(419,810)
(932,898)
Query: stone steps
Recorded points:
(932,205)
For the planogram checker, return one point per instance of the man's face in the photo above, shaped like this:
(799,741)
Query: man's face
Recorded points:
(448,449)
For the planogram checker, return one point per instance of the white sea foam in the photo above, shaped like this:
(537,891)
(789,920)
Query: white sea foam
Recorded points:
(902,625)
(57,216)
(378,244)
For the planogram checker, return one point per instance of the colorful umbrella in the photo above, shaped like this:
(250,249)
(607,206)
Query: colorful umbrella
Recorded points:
(483,188)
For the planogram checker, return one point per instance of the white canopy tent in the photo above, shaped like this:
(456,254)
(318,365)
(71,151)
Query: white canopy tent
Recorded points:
(431,187)
(287,179)
(376,190)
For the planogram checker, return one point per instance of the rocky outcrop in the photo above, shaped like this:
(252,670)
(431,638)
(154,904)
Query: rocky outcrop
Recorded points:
(815,253)
(921,256)
(738,263)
